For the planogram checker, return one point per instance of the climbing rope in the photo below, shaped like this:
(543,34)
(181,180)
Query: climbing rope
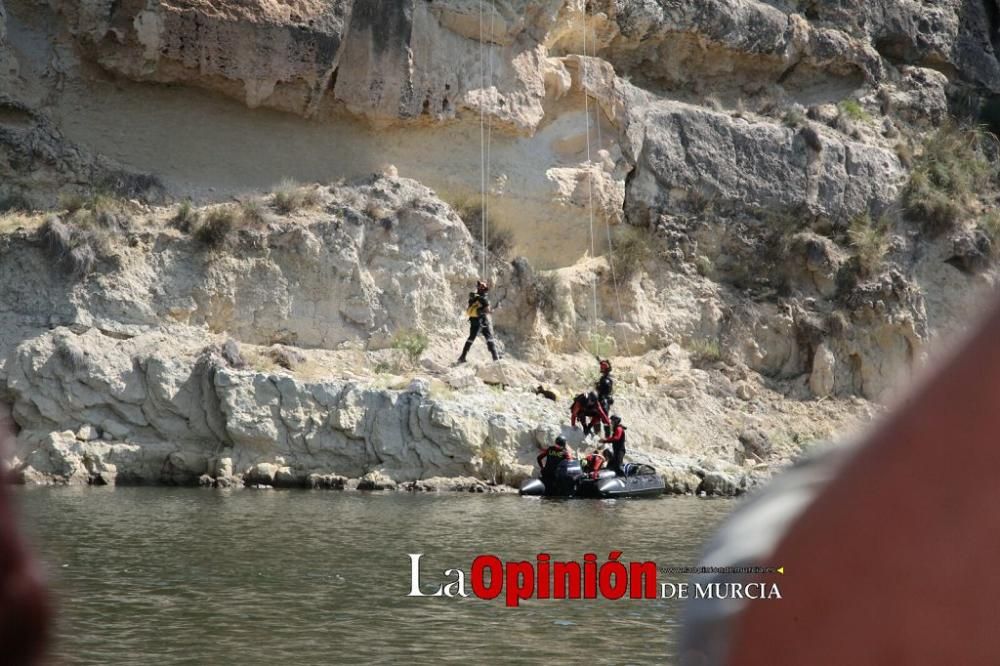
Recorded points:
(486,140)
(594,169)
(590,179)
(482,139)
(489,143)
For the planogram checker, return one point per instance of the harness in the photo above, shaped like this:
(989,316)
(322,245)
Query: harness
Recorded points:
(478,306)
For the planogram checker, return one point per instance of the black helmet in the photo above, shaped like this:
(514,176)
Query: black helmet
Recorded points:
(592,396)
(605,365)
(482,287)
(560,441)
(616,419)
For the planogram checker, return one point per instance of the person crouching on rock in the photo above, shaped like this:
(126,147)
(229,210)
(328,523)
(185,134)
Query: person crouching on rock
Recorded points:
(586,409)
(617,442)
(605,387)
(593,462)
(478,313)
(550,459)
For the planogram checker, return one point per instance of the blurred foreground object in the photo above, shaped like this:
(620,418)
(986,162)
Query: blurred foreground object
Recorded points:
(889,548)
(24,607)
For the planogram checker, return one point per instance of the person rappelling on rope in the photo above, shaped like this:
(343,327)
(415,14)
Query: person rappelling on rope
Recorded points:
(586,409)
(617,442)
(478,313)
(605,388)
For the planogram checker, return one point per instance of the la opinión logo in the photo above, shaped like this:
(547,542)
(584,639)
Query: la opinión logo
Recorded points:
(490,577)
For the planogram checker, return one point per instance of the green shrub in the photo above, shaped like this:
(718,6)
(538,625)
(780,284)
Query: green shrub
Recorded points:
(252,211)
(99,212)
(186,218)
(629,251)
(794,118)
(853,110)
(72,201)
(411,343)
(946,178)
(290,196)
(870,240)
(704,351)
(704,266)
(218,224)
(73,249)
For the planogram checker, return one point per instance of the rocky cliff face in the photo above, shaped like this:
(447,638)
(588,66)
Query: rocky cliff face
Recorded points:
(750,205)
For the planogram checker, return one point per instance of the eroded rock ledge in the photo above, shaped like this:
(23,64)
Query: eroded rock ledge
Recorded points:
(161,408)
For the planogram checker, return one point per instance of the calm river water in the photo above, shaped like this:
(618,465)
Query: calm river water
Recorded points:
(190,576)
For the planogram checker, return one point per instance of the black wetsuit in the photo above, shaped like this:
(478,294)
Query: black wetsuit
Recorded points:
(479,322)
(617,442)
(588,412)
(552,457)
(605,387)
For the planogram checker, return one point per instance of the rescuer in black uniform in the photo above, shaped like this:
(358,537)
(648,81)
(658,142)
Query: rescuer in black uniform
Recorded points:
(478,313)
(617,442)
(605,387)
(550,459)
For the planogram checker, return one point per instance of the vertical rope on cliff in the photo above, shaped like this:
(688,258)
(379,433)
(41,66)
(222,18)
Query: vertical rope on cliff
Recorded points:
(489,137)
(607,227)
(482,139)
(590,179)
(611,248)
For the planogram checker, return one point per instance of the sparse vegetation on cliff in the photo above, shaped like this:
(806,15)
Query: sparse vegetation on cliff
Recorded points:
(218,224)
(499,240)
(853,110)
(870,240)
(411,344)
(630,250)
(545,295)
(947,177)
(289,197)
(704,351)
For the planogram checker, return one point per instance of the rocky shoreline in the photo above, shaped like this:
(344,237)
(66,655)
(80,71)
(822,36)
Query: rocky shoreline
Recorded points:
(145,411)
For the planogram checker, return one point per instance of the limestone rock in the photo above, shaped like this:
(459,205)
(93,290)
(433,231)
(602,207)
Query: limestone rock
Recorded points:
(376,480)
(973,252)
(755,443)
(680,481)
(758,164)
(720,484)
(822,378)
(326,481)
(262,474)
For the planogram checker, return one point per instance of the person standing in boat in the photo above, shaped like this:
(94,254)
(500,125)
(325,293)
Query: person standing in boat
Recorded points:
(550,459)
(617,442)
(605,387)
(478,313)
